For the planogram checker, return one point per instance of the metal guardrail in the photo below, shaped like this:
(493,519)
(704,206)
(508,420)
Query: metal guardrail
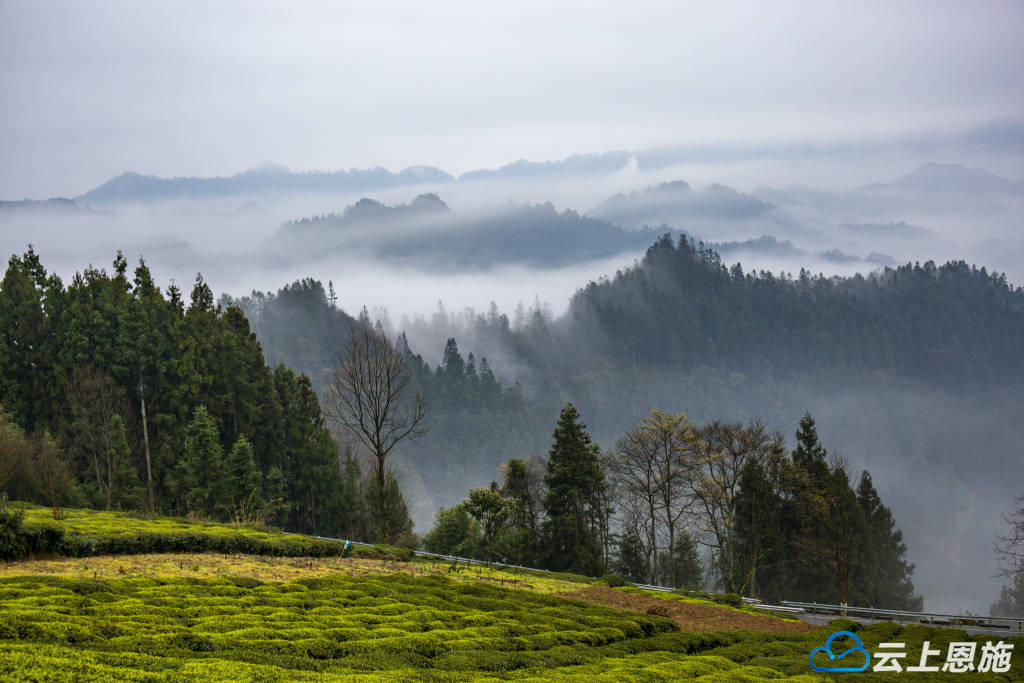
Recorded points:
(783,609)
(1009,623)
(650,587)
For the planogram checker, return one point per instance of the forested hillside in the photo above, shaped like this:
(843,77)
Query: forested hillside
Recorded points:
(911,372)
(426,234)
(475,421)
(118,395)
(951,325)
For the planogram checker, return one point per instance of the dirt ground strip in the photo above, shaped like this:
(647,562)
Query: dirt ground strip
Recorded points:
(690,616)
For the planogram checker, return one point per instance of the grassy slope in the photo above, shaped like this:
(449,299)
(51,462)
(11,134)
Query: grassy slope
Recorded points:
(189,616)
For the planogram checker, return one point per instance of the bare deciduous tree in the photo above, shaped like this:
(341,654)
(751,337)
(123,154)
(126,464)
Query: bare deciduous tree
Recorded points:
(650,469)
(1010,548)
(635,477)
(367,396)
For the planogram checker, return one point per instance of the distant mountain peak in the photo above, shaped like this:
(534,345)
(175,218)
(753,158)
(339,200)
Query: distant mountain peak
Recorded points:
(936,176)
(429,201)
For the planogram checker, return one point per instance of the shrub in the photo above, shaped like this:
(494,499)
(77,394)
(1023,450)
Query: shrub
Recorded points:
(845,625)
(614,581)
(12,534)
(385,552)
(731,599)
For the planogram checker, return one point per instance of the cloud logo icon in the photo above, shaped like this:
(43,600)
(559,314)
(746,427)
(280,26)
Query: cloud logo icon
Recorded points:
(827,648)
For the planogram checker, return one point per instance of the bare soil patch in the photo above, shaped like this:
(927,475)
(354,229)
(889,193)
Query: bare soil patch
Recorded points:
(690,616)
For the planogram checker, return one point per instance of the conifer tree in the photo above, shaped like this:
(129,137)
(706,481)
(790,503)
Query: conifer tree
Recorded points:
(682,567)
(395,511)
(760,543)
(30,301)
(575,481)
(805,518)
(94,434)
(147,365)
(844,529)
(204,471)
(243,477)
(351,515)
(124,489)
(630,558)
(883,576)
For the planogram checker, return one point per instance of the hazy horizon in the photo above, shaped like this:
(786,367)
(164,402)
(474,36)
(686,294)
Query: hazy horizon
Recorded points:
(188,89)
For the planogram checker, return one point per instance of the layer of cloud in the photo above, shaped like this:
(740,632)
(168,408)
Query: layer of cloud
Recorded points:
(189,88)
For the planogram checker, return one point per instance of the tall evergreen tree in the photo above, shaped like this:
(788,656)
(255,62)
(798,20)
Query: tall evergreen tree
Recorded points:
(760,543)
(882,576)
(308,456)
(575,481)
(30,303)
(204,472)
(147,364)
(353,518)
(805,518)
(395,511)
(242,476)
(844,530)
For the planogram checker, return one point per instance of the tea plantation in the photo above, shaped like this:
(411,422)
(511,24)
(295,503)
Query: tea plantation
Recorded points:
(173,617)
(83,533)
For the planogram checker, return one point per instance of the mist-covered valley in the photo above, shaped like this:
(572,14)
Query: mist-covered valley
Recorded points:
(556,224)
(499,261)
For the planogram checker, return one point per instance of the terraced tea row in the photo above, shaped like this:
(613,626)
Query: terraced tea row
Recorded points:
(392,627)
(85,533)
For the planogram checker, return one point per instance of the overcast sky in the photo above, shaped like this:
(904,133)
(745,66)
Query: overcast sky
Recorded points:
(90,89)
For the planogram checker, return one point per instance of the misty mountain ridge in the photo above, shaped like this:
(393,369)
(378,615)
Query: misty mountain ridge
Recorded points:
(55,205)
(834,232)
(370,211)
(952,178)
(667,201)
(900,230)
(768,246)
(135,187)
(931,185)
(425,233)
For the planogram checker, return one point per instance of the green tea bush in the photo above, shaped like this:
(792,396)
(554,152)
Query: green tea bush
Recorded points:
(392,627)
(614,581)
(31,531)
(731,599)
(845,625)
(13,539)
